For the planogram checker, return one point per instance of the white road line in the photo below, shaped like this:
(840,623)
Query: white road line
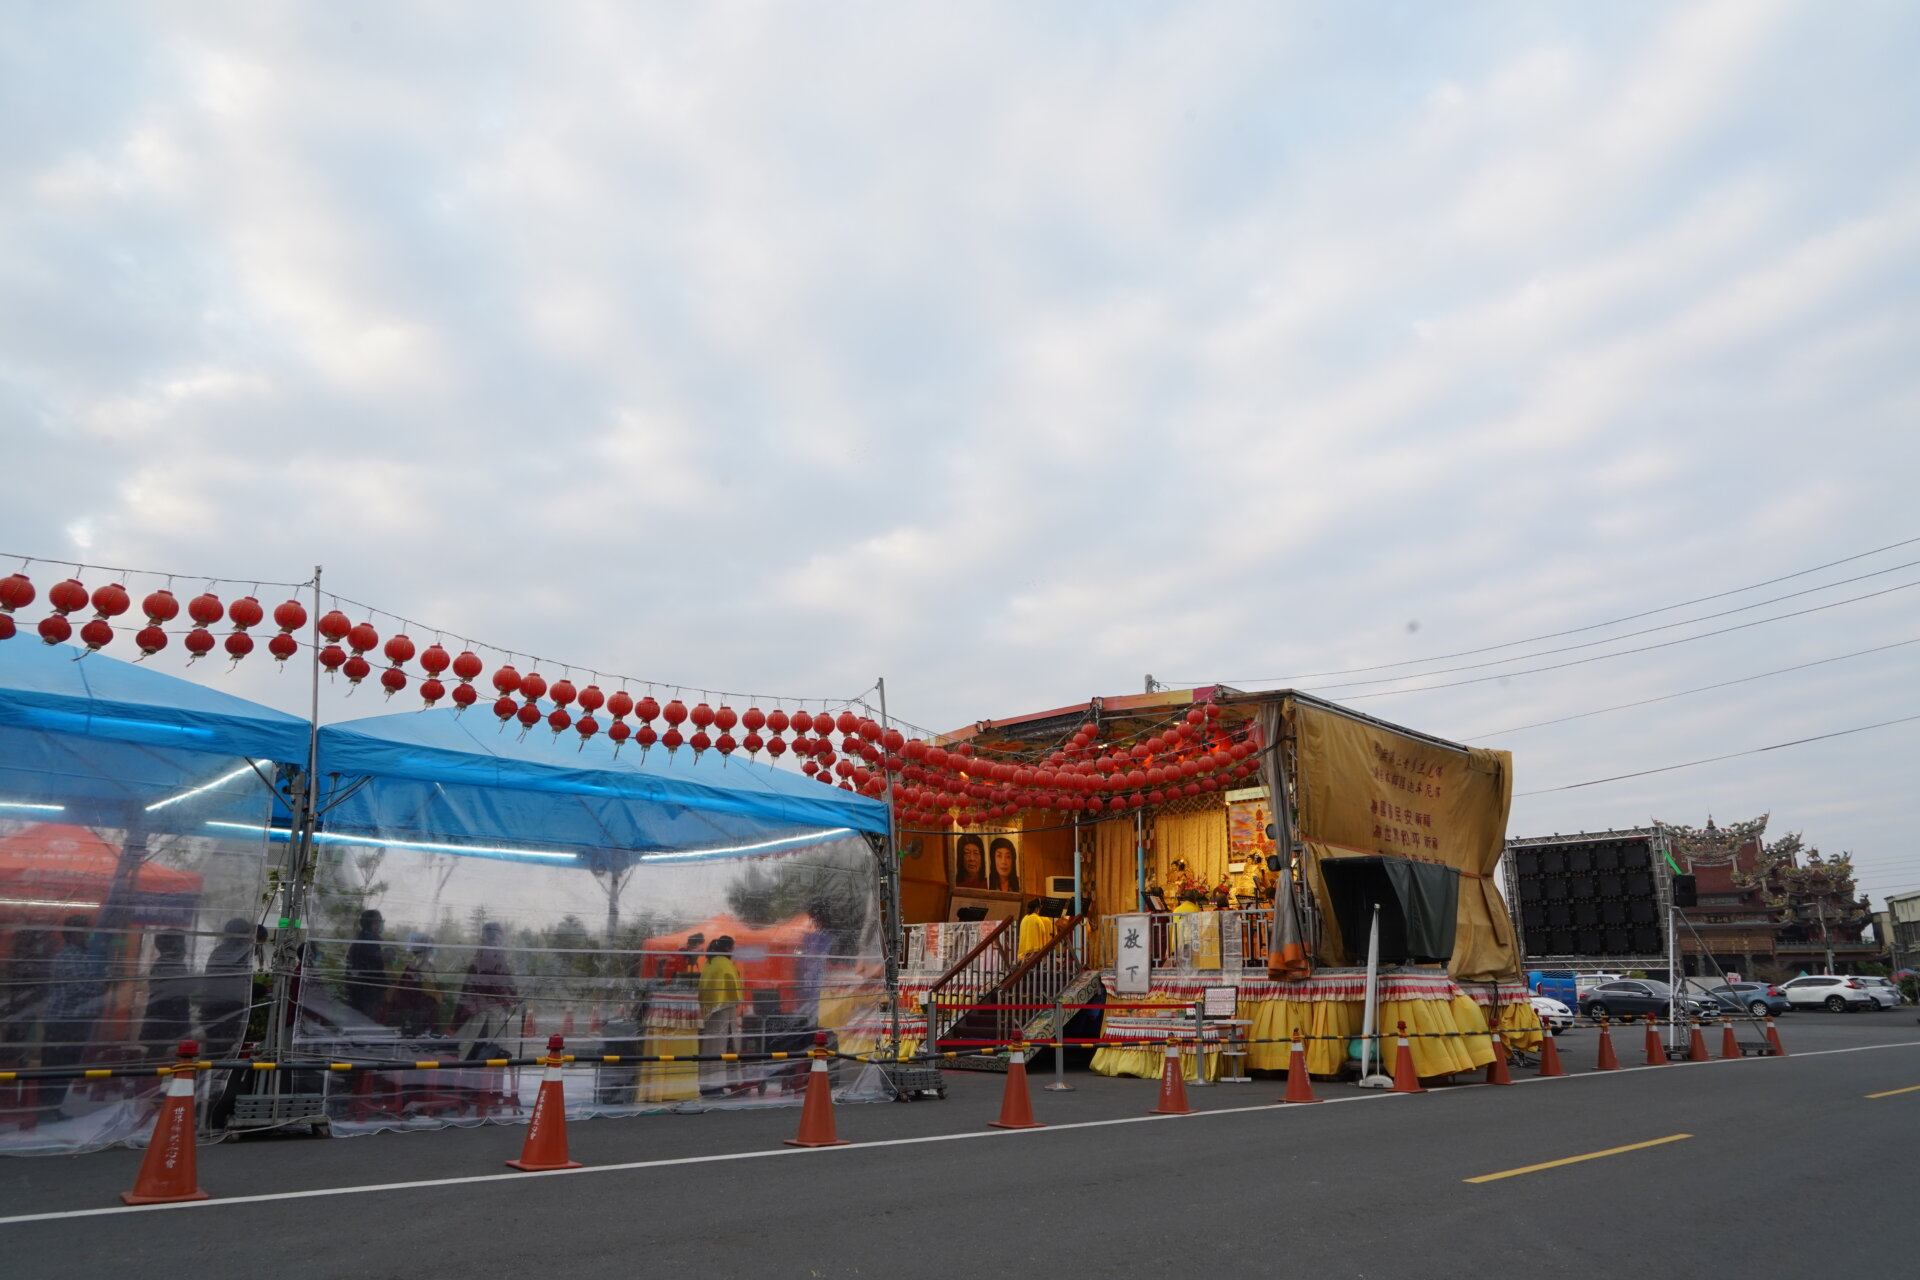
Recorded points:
(658,1164)
(470,1179)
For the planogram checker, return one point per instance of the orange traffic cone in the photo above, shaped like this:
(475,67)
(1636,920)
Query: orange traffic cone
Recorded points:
(1550,1056)
(1697,1045)
(546,1144)
(1016,1108)
(597,1022)
(526,1025)
(169,1171)
(1656,1052)
(1729,1043)
(1173,1086)
(1497,1069)
(1299,1083)
(1607,1061)
(1405,1080)
(566,1022)
(816,1113)
(1773,1038)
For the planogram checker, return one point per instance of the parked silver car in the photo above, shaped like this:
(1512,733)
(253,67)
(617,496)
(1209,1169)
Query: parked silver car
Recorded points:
(1883,991)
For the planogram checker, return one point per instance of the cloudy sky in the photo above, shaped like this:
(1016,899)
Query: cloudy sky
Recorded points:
(1019,352)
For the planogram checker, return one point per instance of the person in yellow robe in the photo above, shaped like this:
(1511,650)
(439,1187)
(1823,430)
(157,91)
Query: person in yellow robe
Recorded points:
(721,995)
(1036,931)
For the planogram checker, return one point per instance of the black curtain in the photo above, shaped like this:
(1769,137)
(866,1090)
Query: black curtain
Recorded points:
(1419,907)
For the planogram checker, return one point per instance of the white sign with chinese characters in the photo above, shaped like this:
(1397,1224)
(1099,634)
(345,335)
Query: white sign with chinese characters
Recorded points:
(1132,955)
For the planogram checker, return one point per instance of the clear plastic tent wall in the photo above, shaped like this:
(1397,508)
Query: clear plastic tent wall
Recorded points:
(133,869)
(477,890)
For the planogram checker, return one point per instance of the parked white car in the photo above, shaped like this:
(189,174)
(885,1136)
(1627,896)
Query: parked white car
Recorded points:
(1832,991)
(1553,1015)
(1883,991)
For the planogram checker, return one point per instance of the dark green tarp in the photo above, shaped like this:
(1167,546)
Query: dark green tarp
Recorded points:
(1419,907)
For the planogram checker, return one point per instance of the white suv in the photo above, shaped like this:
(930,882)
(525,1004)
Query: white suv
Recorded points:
(1831,990)
(1883,991)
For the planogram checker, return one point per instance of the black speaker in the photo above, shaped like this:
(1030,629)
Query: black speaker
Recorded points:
(1607,858)
(1636,855)
(1580,859)
(1613,913)
(1582,887)
(1612,886)
(1586,913)
(1639,884)
(1686,892)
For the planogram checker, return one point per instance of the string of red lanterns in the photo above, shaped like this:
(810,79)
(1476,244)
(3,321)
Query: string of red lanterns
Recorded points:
(948,786)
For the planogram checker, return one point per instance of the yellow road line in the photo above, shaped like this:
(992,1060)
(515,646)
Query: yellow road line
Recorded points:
(1889,1093)
(1591,1155)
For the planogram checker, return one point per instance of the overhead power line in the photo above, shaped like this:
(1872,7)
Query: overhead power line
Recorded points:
(1556,635)
(1705,688)
(1732,755)
(1620,653)
(1644,631)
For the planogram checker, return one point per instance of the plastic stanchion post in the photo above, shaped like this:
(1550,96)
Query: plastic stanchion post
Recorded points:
(170,1170)
(546,1145)
(816,1112)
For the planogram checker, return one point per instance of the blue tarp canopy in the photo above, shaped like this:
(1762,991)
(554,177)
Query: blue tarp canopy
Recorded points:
(436,776)
(106,742)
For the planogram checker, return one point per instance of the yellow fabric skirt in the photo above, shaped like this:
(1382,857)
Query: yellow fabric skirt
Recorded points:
(669,1081)
(1333,1023)
(1520,1027)
(1145,1062)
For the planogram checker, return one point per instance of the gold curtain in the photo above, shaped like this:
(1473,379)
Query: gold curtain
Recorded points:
(1198,839)
(1113,883)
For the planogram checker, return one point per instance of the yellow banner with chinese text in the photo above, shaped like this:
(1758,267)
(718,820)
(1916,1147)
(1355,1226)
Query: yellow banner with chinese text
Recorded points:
(1365,789)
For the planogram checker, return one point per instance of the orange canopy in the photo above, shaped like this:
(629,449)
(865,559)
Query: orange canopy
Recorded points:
(53,863)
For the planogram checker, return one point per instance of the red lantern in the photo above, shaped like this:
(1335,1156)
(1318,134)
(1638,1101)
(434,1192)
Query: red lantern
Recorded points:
(399,650)
(532,685)
(69,596)
(96,635)
(562,692)
(393,680)
(55,629)
(675,714)
(205,609)
(288,615)
(644,737)
(17,592)
(777,745)
(725,718)
(151,641)
(560,721)
(504,708)
(7,628)
(467,667)
(725,744)
(356,669)
(893,740)
(702,716)
(111,601)
(362,637)
(528,715)
(245,612)
(434,660)
(464,696)
(334,626)
(672,741)
(331,657)
(620,705)
(700,742)
(199,643)
(586,727)
(753,742)
(646,709)
(506,680)
(778,721)
(619,731)
(591,699)
(1196,717)
(239,645)
(753,720)
(431,690)
(802,721)
(809,768)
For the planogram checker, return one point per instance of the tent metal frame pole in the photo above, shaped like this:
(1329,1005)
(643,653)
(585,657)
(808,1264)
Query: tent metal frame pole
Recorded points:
(290,937)
(895,933)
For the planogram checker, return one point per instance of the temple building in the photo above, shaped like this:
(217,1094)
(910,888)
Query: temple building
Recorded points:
(1768,910)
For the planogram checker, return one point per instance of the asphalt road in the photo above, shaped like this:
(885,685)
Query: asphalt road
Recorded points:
(1788,1169)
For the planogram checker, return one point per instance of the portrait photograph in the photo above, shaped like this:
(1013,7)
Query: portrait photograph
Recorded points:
(969,861)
